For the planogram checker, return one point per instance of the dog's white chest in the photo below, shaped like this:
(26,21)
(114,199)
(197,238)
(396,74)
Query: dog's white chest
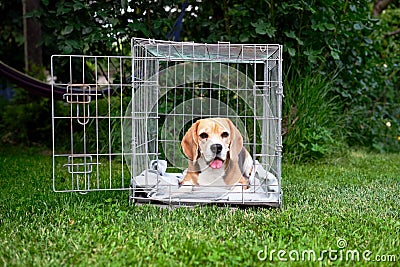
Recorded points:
(212,177)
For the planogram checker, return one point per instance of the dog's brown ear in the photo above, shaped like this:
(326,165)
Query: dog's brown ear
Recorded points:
(190,143)
(236,143)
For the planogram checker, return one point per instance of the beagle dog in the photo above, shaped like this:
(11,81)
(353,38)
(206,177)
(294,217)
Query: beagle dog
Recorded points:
(216,155)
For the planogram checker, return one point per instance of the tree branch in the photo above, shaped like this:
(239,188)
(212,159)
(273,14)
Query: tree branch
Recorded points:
(379,6)
(393,33)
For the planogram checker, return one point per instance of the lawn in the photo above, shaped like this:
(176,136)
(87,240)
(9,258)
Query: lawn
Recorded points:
(341,212)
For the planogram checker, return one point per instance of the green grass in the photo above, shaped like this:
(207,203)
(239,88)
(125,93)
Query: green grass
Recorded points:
(355,198)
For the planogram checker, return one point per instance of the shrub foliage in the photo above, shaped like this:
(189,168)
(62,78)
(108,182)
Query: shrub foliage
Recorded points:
(335,53)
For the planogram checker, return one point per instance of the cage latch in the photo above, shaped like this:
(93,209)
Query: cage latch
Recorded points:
(79,94)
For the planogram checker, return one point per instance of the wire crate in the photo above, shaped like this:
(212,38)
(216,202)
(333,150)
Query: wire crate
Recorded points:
(122,119)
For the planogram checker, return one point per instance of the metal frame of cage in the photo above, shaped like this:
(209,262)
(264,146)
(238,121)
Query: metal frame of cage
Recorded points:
(125,117)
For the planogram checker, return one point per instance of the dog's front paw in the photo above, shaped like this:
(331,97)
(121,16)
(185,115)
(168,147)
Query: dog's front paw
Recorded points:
(239,187)
(186,186)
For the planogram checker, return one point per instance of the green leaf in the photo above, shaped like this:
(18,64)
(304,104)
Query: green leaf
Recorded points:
(271,32)
(67,30)
(244,37)
(87,30)
(312,55)
(292,51)
(74,44)
(140,27)
(78,5)
(67,49)
(335,55)
(290,34)
(317,148)
(85,48)
(123,4)
(262,28)
(321,27)
(357,26)
(330,26)
(260,31)
(62,8)
(368,40)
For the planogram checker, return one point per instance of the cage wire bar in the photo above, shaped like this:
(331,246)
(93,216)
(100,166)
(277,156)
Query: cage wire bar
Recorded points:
(122,120)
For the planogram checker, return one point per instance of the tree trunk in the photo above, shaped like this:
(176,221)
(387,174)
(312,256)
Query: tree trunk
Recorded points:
(32,36)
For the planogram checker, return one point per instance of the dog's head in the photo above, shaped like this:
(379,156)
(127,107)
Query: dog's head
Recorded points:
(214,139)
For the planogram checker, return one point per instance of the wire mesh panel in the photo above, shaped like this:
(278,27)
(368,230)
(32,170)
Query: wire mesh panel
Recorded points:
(87,124)
(127,116)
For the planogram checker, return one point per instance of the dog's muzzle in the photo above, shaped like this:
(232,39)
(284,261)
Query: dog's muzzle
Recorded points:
(217,162)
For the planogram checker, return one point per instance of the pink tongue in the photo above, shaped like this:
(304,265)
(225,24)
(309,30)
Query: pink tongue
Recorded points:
(216,164)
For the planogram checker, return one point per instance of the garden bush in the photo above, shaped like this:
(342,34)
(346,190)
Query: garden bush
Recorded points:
(336,43)
(314,121)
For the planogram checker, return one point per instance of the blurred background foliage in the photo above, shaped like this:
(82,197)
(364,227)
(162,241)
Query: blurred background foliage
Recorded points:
(341,60)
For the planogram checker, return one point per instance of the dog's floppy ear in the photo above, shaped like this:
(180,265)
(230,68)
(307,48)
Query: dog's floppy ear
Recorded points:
(236,143)
(190,143)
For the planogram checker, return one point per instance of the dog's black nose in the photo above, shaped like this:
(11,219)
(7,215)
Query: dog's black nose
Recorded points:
(216,148)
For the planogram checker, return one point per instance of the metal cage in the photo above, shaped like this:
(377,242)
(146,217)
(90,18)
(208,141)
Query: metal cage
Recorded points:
(122,120)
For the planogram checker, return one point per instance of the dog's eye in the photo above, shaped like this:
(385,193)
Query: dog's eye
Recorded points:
(203,135)
(224,134)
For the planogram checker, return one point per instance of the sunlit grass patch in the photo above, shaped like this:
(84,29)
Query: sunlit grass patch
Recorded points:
(354,198)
